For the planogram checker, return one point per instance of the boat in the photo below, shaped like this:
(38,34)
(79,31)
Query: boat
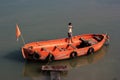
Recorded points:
(59,49)
(34,69)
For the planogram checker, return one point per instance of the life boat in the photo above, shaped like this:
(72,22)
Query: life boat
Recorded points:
(59,49)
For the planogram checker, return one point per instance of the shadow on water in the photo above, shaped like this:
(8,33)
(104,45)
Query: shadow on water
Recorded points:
(33,70)
(15,56)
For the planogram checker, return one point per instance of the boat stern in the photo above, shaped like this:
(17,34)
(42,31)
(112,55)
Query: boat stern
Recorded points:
(26,52)
(29,53)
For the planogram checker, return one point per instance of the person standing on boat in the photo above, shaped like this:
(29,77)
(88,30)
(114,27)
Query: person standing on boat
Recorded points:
(70,32)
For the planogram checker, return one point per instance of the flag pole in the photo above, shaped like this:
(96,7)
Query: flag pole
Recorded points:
(22,39)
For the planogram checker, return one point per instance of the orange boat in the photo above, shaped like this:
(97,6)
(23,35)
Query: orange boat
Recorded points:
(59,49)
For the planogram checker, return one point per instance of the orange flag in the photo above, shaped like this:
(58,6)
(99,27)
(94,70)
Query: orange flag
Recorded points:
(18,33)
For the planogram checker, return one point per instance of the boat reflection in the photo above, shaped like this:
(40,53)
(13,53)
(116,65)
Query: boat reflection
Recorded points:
(33,69)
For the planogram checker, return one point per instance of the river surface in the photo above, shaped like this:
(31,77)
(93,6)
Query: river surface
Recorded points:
(48,19)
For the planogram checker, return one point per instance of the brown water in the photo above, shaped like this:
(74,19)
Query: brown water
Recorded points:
(43,20)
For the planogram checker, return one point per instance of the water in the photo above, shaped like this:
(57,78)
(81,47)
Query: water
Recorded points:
(43,20)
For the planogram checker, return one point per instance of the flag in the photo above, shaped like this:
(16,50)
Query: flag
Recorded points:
(18,33)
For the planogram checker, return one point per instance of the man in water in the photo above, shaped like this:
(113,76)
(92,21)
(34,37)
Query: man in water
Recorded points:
(70,33)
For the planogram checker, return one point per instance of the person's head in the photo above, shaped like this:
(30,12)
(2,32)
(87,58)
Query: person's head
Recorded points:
(69,23)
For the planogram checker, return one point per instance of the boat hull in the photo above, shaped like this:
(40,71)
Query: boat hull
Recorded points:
(59,49)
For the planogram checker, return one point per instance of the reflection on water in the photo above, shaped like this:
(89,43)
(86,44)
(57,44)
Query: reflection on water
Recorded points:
(33,69)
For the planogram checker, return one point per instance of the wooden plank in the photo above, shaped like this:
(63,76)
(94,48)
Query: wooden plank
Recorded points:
(46,50)
(72,46)
(60,49)
(55,68)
